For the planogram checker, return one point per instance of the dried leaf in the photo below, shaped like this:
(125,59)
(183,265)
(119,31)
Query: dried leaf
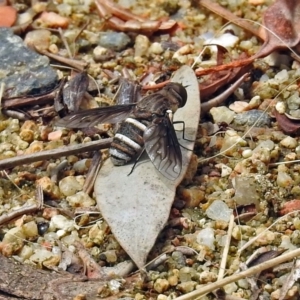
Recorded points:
(74,92)
(291,279)
(261,258)
(283,26)
(137,207)
(287,125)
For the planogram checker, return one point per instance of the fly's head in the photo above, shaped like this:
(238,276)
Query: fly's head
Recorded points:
(176,94)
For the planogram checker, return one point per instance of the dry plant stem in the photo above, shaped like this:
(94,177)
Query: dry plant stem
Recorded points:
(156,262)
(229,297)
(24,101)
(55,153)
(119,11)
(92,173)
(26,209)
(207,106)
(76,64)
(227,15)
(93,270)
(255,238)
(233,278)
(226,248)
(229,66)
(65,42)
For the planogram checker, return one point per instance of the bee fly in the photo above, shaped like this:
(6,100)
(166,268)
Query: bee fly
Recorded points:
(145,125)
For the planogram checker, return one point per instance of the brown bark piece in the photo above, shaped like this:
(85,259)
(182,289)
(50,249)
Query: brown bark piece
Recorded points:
(19,281)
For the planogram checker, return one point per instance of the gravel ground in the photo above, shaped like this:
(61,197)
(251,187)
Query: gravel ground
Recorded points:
(243,182)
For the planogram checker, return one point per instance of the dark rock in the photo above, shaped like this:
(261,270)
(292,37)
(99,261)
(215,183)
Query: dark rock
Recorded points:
(116,41)
(23,71)
(251,117)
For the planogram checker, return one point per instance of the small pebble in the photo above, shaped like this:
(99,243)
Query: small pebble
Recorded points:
(186,287)
(161,285)
(141,45)
(49,187)
(251,117)
(222,114)
(206,277)
(289,142)
(116,41)
(254,102)
(80,199)
(156,48)
(284,180)
(30,229)
(69,186)
(218,210)
(61,222)
(39,38)
(280,107)
(206,237)
(52,20)
(282,76)
(247,153)
(230,288)
(225,170)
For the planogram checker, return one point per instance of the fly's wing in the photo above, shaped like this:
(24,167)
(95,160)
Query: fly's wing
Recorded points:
(94,116)
(162,147)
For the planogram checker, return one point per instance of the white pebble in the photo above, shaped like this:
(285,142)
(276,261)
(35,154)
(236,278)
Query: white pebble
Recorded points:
(206,237)
(230,288)
(289,142)
(282,76)
(141,45)
(69,186)
(61,222)
(225,170)
(218,210)
(222,114)
(60,233)
(247,153)
(81,199)
(156,48)
(284,180)
(281,107)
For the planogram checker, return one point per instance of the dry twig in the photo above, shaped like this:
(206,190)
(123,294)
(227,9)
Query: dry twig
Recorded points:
(55,153)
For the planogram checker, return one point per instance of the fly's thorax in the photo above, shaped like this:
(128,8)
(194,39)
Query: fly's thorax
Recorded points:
(176,93)
(128,141)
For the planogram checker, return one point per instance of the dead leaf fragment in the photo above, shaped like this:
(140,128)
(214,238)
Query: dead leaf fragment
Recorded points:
(282,26)
(287,125)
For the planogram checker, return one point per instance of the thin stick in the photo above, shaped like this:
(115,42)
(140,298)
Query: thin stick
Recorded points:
(233,278)
(261,233)
(206,106)
(77,64)
(55,153)
(92,173)
(227,15)
(65,42)
(226,248)
(26,209)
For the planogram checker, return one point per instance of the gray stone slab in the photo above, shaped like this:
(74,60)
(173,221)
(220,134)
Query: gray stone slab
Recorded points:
(23,71)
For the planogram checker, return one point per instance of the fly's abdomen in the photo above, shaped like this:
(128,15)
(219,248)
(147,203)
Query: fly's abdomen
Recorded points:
(128,141)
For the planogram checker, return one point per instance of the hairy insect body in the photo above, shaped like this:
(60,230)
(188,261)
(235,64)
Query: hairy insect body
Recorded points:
(143,125)
(128,141)
(129,138)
